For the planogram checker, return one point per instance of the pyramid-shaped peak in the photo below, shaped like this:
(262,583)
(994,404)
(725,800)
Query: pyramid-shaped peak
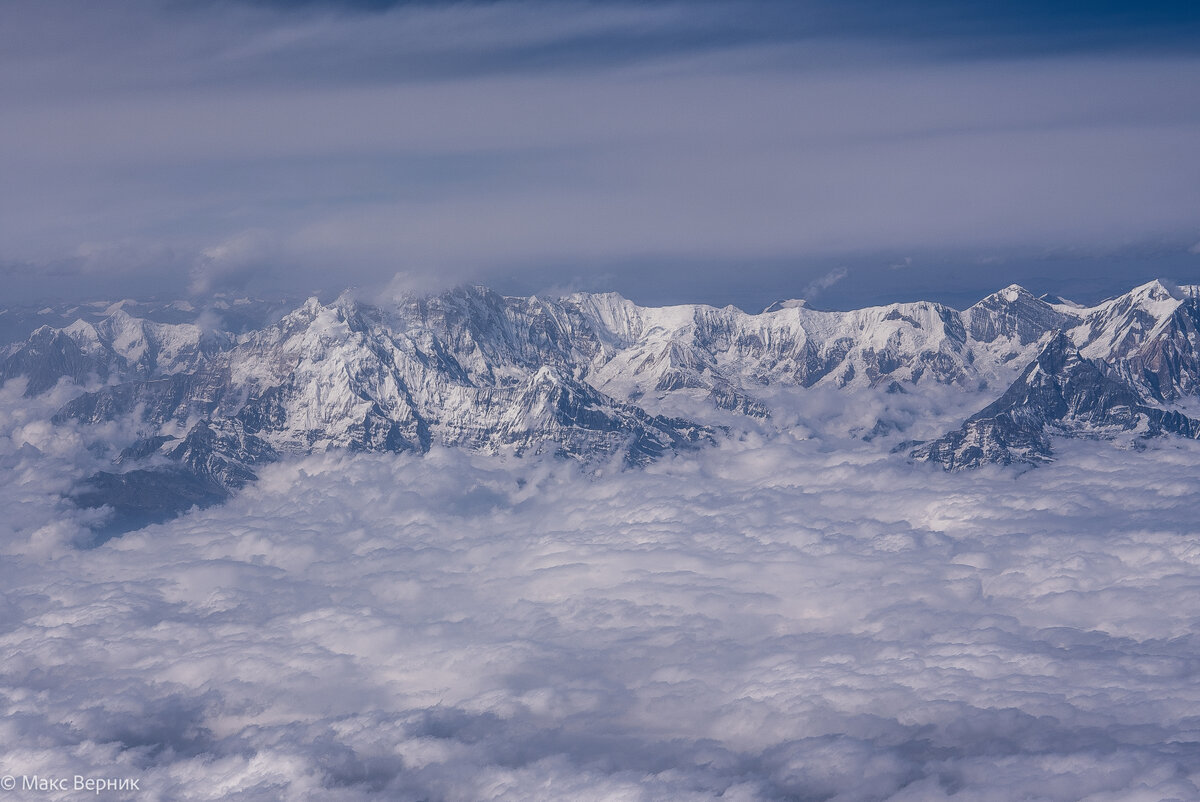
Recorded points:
(1158,290)
(119,314)
(119,306)
(1013,312)
(790,303)
(302,315)
(1013,293)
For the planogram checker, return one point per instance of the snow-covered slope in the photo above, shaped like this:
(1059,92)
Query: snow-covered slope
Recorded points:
(343,375)
(729,357)
(595,376)
(1060,393)
(1150,336)
(119,346)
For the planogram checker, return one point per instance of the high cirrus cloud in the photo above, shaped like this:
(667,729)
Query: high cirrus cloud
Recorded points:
(774,618)
(474,140)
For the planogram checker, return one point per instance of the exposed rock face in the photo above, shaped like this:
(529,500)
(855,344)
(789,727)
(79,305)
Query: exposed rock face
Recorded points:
(1151,337)
(1013,313)
(595,377)
(117,346)
(1059,393)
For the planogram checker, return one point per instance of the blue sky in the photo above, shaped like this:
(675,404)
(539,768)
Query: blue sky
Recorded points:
(720,152)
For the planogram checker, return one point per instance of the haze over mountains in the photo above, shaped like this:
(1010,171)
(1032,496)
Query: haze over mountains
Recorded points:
(189,410)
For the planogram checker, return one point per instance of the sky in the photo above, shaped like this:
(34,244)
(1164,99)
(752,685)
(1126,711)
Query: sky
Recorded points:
(847,152)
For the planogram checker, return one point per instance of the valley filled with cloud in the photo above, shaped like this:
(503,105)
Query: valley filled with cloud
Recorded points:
(789,615)
(628,401)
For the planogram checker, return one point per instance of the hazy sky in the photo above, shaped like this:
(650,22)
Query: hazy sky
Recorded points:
(740,152)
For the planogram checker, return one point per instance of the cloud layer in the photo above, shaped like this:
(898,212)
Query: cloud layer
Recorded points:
(480,141)
(794,618)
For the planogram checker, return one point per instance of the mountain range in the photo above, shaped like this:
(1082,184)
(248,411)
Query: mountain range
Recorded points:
(591,377)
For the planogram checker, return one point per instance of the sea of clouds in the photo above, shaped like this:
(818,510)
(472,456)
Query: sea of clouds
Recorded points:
(794,616)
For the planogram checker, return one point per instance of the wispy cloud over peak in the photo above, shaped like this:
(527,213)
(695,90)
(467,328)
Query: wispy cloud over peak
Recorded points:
(823,283)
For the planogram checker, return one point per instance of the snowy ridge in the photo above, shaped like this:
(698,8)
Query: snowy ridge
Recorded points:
(1150,336)
(1062,393)
(119,346)
(595,377)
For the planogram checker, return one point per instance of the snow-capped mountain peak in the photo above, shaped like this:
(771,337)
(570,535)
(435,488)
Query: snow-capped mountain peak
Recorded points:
(790,303)
(596,377)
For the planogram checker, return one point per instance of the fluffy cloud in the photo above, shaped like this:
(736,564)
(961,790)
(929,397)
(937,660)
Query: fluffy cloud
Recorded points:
(787,617)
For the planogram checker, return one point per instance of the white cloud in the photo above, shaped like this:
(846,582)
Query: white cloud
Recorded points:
(350,140)
(231,261)
(773,618)
(823,283)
